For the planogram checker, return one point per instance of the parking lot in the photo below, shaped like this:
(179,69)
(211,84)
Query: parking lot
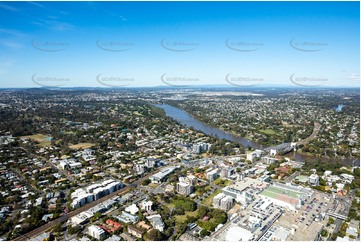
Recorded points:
(311,213)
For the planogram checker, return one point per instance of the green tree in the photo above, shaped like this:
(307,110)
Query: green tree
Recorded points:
(330,221)
(146,182)
(57,228)
(202,211)
(178,211)
(154,235)
(73,230)
(204,233)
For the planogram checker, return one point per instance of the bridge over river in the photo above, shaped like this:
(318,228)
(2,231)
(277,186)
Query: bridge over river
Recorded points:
(287,147)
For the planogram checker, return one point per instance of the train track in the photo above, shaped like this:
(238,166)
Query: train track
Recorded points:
(65,217)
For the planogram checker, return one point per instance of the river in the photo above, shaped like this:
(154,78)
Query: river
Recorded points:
(188,120)
(339,107)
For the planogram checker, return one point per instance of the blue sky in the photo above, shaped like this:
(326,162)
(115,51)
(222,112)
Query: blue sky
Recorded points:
(179,43)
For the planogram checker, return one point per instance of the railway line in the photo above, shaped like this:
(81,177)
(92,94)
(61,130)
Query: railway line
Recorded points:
(65,217)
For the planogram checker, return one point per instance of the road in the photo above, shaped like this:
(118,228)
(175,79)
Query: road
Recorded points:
(287,146)
(225,226)
(70,178)
(316,128)
(291,177)
(23,179)
(65,217)
(343,207)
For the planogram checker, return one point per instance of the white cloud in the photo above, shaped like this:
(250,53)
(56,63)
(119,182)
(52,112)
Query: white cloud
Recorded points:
(353,76)
(11,44)
(54,25)
(5,65)
(37,4)
(13,32)
(8,7)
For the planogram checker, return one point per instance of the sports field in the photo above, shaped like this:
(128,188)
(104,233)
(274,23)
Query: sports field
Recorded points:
(284,195)
(81,146)
(43,140)
(283,192)
(269,194)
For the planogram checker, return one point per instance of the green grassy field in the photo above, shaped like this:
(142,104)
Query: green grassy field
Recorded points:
(267,131)
(269,194)
(222,182)
(43,140)
(209,200)
(153,185)
(277,191)
(182,218)
(81,146)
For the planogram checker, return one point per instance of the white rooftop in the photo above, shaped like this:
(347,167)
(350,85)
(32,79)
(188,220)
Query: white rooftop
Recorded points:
(236,233)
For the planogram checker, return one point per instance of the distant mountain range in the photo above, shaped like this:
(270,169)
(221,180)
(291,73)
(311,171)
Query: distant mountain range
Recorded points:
(216,86)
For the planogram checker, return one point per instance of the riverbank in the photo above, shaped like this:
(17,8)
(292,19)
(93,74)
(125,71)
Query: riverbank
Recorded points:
(303,157)
(190,120)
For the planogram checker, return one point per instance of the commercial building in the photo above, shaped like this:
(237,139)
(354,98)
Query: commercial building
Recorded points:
(269,160)
(133,209)
(245,190)
(162,175)
(251,156)
(114,238)
(93,192)
(81,218)
(190,179)
(212,175)
(314,180)
(96,232)
(151,162)
(227,172)
(157,222)
(287,195)
(201,147)
(237,233)
(252,223)
(140,168)
(69,164)
(184,188)
(223,201)
(276,233)
(146,205)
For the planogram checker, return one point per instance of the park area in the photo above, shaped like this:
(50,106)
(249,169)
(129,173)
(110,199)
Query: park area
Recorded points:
(186,211)
(43,140)
(267,131)
(81,146)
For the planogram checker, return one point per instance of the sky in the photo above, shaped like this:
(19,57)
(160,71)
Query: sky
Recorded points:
(135,44)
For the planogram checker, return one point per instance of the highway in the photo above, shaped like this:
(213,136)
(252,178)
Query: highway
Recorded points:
(65,217)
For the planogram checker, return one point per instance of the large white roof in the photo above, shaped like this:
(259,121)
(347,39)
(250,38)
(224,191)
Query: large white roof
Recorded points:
(236,233)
